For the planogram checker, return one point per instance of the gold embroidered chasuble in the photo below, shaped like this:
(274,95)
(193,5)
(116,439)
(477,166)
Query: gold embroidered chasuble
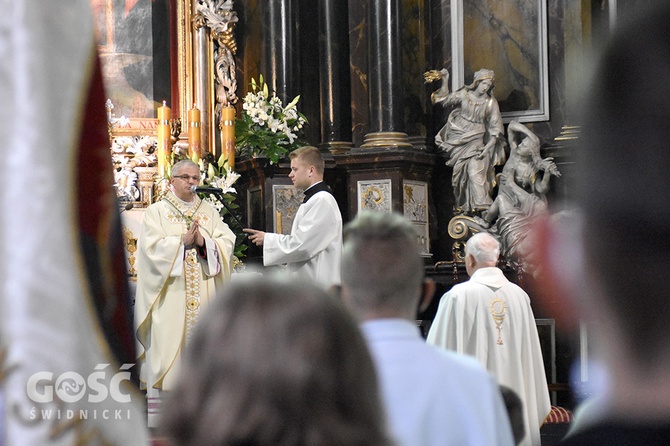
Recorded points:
(490,318)
(175,284)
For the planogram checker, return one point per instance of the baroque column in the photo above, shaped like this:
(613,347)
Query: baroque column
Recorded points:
(384,76)
(279,47)
(202,66)
(334,77)
(214,81)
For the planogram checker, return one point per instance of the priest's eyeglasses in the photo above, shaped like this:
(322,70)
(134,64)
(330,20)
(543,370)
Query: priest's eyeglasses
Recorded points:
(187,177)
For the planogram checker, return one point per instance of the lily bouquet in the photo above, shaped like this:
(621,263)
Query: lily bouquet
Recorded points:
(219,174)
(266,127)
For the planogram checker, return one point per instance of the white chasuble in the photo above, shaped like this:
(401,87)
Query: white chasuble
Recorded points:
(314,247)
(490,318)
(174,284)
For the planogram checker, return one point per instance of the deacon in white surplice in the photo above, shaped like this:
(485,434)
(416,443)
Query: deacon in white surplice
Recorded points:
(314,247)
(490,318)
(184,260)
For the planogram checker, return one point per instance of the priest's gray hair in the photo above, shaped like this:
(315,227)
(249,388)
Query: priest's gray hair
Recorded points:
(484,247)
(179,165)
(381,265)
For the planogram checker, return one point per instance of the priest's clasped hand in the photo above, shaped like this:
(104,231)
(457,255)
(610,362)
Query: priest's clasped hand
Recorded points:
(257,237)
(192,237)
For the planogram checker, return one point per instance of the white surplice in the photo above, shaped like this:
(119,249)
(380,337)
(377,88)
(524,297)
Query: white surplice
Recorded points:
(490,318)
(314,248)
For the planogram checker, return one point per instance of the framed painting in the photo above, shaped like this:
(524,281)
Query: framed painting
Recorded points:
(374,195)
(134,47)
(510,38)
(415,209)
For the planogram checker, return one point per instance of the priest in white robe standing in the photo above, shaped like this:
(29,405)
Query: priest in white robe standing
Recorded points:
(314,247)
(490,318)
(184,259)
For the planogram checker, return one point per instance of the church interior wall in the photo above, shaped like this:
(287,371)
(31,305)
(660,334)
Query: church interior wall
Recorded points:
(574,29)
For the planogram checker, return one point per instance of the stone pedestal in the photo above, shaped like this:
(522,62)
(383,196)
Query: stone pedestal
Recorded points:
(391,180)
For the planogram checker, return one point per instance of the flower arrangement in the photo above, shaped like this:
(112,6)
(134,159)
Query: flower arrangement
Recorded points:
(218,174)
(266,127)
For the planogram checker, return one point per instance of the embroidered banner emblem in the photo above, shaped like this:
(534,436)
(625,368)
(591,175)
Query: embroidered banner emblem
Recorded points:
(497,307)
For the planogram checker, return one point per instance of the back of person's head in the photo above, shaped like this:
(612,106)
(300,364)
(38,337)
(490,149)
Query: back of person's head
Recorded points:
(484,248)
(623,181)
(311,156)
(381,268)
(274,362)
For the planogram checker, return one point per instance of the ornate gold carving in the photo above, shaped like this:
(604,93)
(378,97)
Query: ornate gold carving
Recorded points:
(210,37)
(219,17)
(374,195)
(386,139)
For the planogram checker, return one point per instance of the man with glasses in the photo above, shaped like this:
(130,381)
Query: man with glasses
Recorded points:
(184,258)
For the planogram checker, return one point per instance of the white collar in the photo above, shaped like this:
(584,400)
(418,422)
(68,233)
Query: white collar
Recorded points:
(490,276)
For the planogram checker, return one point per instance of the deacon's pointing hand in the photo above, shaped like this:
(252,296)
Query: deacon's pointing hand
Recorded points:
(257,237)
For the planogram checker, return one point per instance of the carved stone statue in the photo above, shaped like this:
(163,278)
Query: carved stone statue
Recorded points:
(473,138)
(523,183)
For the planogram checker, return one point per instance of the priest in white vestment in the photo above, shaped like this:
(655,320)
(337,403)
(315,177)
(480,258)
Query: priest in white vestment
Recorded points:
(184,259)
(490,318)
(314,247)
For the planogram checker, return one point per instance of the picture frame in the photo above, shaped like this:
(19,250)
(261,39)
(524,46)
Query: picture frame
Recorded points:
(374,195)
(286,199)
(133,46)
(415,209)
(509,38)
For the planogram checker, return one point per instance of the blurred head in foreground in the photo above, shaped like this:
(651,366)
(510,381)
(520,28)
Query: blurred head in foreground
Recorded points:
(621,244)
(275,362)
